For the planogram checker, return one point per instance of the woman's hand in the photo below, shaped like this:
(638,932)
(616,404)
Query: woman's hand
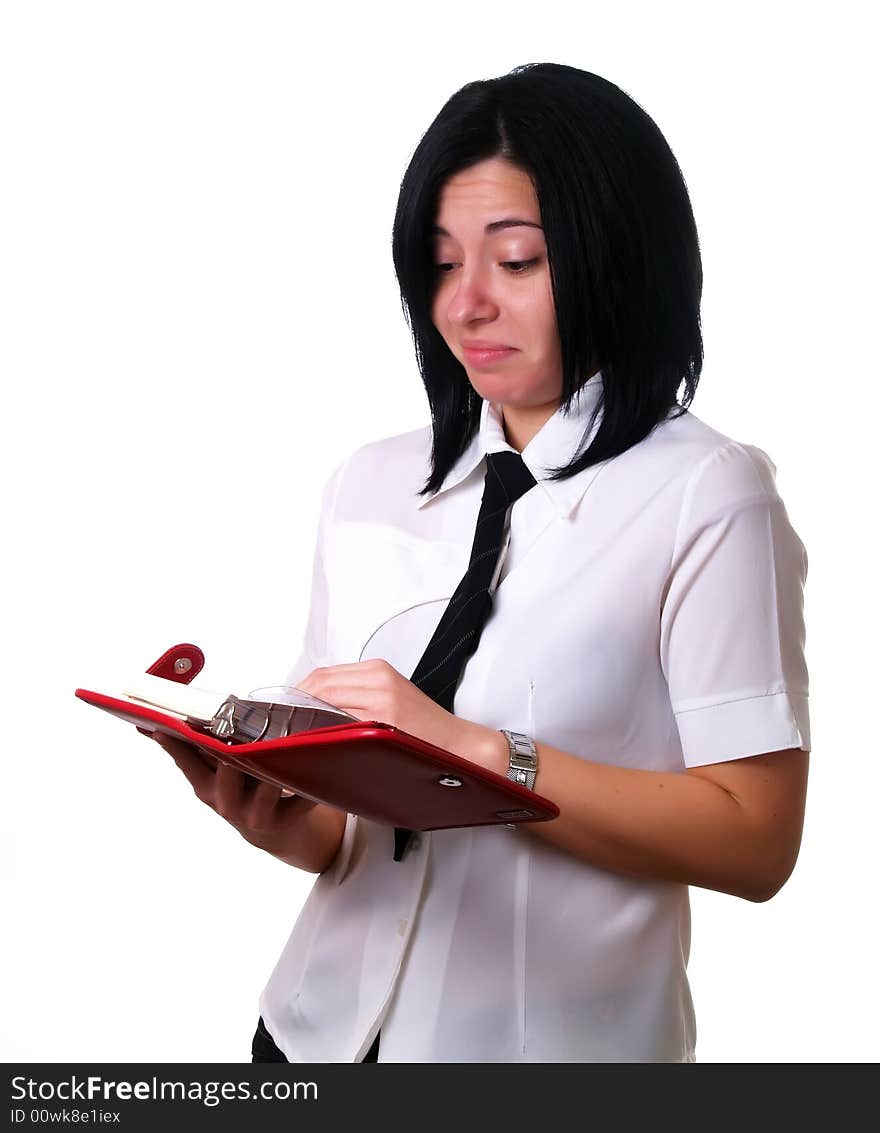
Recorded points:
(296,830)
(375,690)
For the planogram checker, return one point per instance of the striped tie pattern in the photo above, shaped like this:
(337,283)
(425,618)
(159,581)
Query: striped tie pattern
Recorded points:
(458,633)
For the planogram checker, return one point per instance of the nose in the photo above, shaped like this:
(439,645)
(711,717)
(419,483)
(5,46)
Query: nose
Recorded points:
(470,298)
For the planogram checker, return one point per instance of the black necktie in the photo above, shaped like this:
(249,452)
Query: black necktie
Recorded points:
(458,632)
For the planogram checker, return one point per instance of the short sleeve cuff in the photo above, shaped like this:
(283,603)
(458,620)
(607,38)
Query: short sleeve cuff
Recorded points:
(735,729)
(339,866)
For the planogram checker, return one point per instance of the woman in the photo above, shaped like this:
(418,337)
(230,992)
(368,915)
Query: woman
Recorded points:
(644,645)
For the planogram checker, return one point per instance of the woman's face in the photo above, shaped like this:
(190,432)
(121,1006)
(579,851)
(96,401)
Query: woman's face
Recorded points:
(492,285)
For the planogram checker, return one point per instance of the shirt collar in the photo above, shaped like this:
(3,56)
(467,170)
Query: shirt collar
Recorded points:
(555,444)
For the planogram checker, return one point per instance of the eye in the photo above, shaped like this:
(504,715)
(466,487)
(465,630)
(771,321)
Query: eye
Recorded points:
(517,267)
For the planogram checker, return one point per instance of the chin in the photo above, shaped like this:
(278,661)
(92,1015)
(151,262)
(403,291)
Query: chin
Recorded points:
(506,393)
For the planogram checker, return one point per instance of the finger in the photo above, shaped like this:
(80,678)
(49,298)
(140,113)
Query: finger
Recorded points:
(355,697)
(264,805)
(176,743)
(197,770)
(339,681)
(267,807)
(345,667)
(230,791)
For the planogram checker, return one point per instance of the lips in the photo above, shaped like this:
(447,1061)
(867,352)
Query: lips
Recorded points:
(484,344)
(482,356)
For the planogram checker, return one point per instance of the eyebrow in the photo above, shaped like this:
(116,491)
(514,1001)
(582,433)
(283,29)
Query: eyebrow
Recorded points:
(495,226)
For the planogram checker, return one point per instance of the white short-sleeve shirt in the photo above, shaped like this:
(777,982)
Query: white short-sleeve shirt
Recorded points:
(648,612)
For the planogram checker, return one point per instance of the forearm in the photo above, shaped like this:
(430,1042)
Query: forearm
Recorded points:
(657,825)
(314,842)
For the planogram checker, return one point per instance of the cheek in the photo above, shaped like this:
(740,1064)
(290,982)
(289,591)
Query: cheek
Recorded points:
(437,309)
(549,326)
(536,311)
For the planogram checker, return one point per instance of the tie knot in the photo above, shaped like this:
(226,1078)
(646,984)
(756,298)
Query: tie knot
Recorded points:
(507,475)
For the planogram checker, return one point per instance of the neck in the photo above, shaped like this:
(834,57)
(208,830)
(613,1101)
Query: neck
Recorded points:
(521,424)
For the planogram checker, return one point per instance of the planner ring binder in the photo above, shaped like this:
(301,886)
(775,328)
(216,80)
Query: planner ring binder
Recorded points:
(368,768)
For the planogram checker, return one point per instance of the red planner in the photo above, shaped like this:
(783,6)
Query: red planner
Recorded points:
(366,767)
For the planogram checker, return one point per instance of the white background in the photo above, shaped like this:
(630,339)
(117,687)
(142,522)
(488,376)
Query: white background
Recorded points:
(200,320)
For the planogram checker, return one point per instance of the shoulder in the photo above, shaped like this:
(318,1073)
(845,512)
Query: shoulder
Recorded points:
(388,456)
(711,463)
(381,472)
(716,477)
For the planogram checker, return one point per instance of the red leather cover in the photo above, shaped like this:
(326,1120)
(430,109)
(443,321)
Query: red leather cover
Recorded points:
(367,768)
(179,663)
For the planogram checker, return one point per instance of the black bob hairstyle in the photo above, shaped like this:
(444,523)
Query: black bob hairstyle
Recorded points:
(621,241)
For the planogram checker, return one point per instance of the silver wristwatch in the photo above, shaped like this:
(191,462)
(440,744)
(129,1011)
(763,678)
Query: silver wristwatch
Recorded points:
(523,765)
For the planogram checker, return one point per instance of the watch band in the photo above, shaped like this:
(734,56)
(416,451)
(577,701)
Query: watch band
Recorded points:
(523,763)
